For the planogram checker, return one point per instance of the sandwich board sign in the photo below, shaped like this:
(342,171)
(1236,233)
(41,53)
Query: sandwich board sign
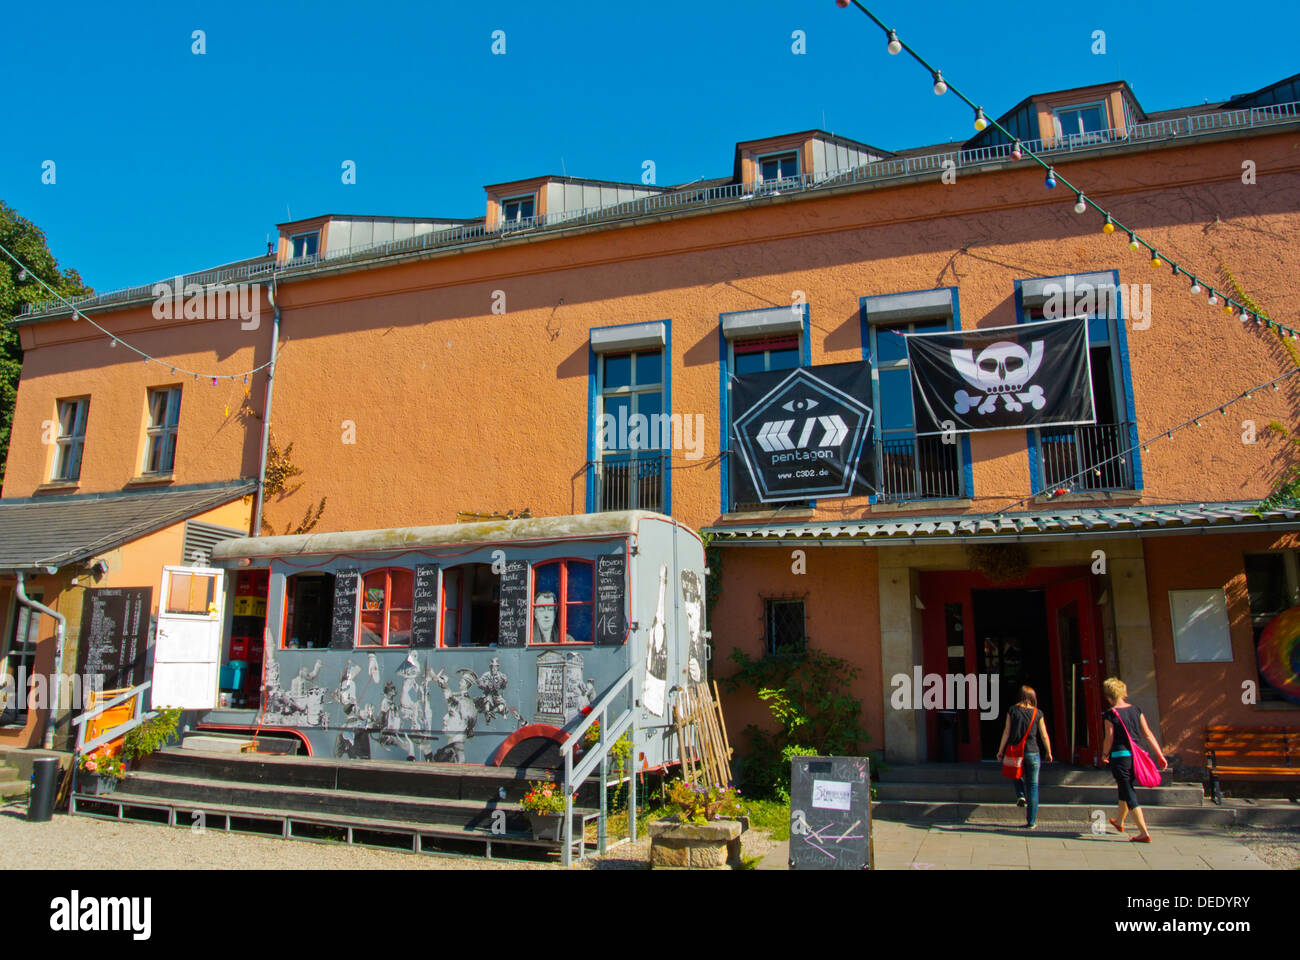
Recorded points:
(830,813)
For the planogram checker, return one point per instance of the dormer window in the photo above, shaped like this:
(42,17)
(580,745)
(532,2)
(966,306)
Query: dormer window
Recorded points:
(778,166)
(517,211)
(1082,124)
(303,245)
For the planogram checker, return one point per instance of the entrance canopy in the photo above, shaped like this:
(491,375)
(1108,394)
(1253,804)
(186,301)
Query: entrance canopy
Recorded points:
(1162,521)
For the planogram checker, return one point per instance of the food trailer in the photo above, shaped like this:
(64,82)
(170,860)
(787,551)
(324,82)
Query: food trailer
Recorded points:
(479,643)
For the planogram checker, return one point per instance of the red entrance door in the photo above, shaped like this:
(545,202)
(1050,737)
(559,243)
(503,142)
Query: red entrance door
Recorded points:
(948,628)
(1076,671)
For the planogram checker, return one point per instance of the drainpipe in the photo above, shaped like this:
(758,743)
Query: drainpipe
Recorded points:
(266,413)
(60,634)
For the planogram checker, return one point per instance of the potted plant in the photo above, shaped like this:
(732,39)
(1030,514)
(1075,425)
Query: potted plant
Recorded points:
(544,804)
(704,830)
(99,772)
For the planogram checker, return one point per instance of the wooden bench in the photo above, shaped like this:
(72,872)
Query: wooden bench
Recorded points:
(1251,753)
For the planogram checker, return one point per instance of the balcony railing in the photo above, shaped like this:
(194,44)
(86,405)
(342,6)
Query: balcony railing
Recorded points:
(1088,457)
(919,468)
(686,197)
(629,481)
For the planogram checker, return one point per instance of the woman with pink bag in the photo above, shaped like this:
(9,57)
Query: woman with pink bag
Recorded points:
(1128,761)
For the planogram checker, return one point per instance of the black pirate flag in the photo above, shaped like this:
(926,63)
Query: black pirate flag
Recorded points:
(1001,378)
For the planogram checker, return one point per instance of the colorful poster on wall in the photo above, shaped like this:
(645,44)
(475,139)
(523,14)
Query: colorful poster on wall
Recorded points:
(1001,378)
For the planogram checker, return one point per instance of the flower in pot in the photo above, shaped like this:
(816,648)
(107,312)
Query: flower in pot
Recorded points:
(101,771)
(699,803)
(544,804)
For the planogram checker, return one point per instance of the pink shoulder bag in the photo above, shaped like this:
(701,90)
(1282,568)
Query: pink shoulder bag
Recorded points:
(1144,768)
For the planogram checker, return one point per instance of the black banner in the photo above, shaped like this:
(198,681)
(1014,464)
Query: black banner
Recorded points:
(802,434)
(1001,378)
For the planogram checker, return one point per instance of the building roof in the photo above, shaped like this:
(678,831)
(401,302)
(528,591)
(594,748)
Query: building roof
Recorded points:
(583,526)
(54,531)
(895,166)
(1058,524)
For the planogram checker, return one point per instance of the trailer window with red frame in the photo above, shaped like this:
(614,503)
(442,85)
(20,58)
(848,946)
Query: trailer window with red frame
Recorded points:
(562,602)
(386,608)
(471,605)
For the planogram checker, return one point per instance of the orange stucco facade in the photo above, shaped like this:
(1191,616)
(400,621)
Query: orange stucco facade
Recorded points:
(460,380)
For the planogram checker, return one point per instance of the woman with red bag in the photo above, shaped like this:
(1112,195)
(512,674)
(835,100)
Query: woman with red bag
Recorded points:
(1125,756)
(1025,729)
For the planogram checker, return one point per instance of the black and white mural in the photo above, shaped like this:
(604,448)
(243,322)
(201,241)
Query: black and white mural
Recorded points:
(1001,378)
(693,604)
(654,689)
(394,717)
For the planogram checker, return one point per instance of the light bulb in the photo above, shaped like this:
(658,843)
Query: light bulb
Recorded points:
(981,121)
(1080,205)
(1196,287)
(1016,153)
(940,88)
(1050,182)
(1155,260)
(1213,299)
(1133,243)
(112,343)
(1109,226)
(894,45)
(22,273)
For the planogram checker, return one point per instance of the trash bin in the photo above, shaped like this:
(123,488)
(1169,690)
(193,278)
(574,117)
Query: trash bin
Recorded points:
(948,736)
(45,787)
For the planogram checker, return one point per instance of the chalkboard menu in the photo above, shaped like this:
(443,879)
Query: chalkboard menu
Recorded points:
(424,606)
(611,598)
(830,815)
(513,624)
(347,583)
(114,638)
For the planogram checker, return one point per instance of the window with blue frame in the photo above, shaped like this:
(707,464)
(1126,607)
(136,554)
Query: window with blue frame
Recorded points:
(1095,456)
(758,355)
(633,437)
(908,467)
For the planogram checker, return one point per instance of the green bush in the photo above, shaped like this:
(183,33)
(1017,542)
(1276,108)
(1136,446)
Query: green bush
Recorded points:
(816,715)
(152,735)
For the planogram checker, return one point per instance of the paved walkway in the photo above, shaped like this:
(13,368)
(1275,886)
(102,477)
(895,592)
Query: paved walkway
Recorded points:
(967,846)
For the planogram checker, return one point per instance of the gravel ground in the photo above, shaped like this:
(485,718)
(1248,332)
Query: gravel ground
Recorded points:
(64,842)
(1279,847)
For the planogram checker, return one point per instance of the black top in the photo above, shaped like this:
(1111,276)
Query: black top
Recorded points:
(1020,717)
(1131,714)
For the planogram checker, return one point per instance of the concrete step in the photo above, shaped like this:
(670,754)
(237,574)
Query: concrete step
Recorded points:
(1081,814)
(8,773)
(217,743)
(1052,774)
(13,789)
(1097,794)
(468,813)
(455,781)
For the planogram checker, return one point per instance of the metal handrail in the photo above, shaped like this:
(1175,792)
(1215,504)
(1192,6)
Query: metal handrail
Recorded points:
(689,197)
(599,754)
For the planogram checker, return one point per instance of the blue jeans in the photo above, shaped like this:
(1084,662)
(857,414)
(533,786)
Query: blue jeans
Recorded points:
(1027,786)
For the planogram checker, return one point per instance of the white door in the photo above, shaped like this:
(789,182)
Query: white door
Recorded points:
(187,645)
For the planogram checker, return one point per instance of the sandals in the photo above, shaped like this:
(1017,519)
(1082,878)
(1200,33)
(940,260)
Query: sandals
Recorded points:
(1118,829)
(1146,839)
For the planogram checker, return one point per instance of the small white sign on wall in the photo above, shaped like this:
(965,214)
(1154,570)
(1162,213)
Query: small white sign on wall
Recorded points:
(832,795)
(1200,622)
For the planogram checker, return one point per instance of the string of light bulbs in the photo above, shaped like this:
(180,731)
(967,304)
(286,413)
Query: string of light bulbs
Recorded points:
(1082,201)
(1062,487)
(25,271)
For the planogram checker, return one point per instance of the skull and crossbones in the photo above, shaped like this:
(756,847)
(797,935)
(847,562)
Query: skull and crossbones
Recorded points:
(1002,369)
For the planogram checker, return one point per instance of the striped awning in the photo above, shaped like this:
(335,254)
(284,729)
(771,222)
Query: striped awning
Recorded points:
(1163,520)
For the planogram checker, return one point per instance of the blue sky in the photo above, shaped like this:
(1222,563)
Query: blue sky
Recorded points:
(168,161)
